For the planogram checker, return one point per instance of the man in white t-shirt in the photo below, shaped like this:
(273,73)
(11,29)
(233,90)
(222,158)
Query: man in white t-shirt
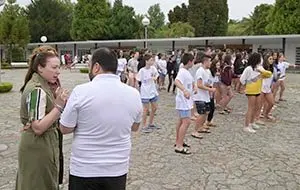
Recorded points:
(202,98)
(184,102)
(149,95)
(101,143)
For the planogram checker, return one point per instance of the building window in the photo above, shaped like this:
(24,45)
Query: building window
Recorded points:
(297,56)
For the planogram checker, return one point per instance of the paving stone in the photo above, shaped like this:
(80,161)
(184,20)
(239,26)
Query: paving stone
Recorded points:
(228,158)
(3,147)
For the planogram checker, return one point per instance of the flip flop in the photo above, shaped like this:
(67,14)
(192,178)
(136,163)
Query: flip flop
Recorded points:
(204,131)
(222,112)
(183,151)
(282,100)
(211,125)
(197,137)
(184,145)
(227,110)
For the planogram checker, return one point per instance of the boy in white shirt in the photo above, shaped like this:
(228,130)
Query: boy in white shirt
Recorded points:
(184,102)
(202,98)
(149,95)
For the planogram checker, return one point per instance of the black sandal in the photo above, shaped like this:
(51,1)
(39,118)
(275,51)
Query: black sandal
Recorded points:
(184,145)
(183,151)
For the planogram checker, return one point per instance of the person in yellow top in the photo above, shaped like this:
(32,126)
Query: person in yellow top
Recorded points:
(252,79)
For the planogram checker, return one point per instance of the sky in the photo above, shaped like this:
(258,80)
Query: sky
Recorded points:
(237,8)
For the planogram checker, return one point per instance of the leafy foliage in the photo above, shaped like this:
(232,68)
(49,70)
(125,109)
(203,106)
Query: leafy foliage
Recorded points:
(84,70)
(209,18)
(5,87)
(90,20)
(176,30)
(178,14)
(51,18)
(284,17)
(14,31)
(156,16)
(122,23)
(260,19)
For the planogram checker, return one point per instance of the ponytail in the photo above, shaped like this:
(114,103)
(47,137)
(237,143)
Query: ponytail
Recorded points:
(29,73)
(39,57)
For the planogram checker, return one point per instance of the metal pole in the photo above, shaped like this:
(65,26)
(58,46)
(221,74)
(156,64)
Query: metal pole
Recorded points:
(146,36)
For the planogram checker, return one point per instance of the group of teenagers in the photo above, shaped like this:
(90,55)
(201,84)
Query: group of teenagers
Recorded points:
(206,80)
(101,143)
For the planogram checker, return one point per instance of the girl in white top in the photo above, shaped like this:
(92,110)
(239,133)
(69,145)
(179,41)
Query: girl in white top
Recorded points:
(267,95)
(184,102)
(282,66)
(162,70)
(147,76)
(132,67)
(122,62)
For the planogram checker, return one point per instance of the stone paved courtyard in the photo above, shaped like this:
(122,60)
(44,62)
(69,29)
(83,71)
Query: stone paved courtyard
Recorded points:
(228,158)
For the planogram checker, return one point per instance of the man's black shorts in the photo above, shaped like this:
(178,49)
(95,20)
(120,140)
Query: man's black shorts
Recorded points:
(202,107)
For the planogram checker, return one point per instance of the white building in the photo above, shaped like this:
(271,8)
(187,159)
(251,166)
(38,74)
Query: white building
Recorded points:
(288,44)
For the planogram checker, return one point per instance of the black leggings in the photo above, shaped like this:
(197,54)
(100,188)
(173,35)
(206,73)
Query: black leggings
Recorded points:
(212,110)
(171,79)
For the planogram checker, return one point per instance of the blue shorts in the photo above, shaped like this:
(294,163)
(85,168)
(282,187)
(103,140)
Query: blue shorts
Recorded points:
(151,100)
(184,114)
(162,75)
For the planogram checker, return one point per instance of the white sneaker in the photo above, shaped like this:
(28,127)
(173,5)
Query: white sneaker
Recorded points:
(255,126)
(249,129)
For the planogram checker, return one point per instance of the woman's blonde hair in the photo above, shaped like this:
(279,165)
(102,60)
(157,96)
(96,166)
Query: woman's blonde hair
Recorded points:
(38,57)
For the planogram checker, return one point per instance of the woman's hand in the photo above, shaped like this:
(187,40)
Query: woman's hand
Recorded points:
(62,96)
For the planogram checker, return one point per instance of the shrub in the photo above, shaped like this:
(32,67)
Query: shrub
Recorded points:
(5,65)
(84,70)
(5,87)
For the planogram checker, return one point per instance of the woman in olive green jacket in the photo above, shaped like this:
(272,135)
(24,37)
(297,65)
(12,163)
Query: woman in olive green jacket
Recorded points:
(38,156)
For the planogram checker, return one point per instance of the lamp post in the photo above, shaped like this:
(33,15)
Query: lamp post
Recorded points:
(2,2)
(44,39)
(146,23)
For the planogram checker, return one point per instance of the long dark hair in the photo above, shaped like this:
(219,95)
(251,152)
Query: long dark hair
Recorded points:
(213,67)
(237,62)
(254,60)
(276,59)
(220,56)
(266,64)
(39,57)
(227,61)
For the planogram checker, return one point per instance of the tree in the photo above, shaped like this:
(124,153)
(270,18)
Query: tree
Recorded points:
(122,23)
(156,16)
(14,31)
(90,20)
(284,17)
(259,19)
(178,14)
(209,18)
(176,30)
(236,28)
(44,21)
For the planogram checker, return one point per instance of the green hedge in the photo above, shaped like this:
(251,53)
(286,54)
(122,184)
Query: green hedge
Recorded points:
(5,87)
(84,70)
